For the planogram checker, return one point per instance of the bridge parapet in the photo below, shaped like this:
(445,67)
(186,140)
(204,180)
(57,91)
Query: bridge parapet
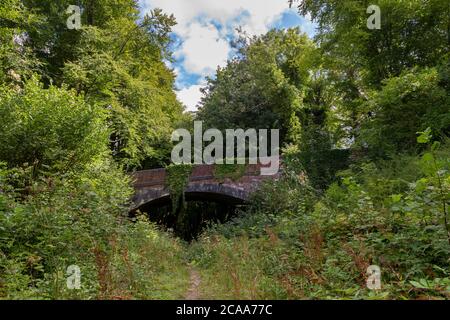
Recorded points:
(150,185)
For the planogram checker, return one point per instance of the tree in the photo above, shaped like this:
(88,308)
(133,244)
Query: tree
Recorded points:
(279,81)
(50,129)
(16,59)
(122,69)
(412,102)
(264,87)
(360,61)
(116,61)
(413,33)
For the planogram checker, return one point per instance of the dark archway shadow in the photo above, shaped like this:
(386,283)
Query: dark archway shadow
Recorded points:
(200,210)
(195,196)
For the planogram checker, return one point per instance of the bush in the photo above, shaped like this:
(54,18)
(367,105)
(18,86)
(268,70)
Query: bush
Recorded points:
(50,128)
(419,96)
(81,220)
(296,245)
(63,202)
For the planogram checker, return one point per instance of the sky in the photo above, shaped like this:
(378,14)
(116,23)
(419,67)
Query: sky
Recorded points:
(206,27)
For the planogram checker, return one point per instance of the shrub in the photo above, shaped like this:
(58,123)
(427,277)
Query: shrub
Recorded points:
(50,128)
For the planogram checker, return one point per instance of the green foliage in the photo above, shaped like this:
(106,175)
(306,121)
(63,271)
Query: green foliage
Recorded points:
(81,220)
(50,128)
(229,171)
(176,180)
(115,61)
(79,106)
(143,263)
(290,193)
(417,96)
(16,61)
(321,166)
(278,81)
(322,249)
(413,33)
(437,174)
(54,44)
(68,97)
(120,67)
(399,59)
(59,223)
(263,87)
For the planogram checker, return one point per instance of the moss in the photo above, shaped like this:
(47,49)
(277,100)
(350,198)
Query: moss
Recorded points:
(177,179)
(229,171)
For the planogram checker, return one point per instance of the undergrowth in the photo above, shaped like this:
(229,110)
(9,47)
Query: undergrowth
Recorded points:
(294,243)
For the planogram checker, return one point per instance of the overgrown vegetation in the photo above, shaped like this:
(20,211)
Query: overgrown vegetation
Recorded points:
(74,113)
(176,180)
(229,171)
(366,158)
(296,245)
(364,119)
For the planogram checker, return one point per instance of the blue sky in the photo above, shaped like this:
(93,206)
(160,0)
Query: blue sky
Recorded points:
(205,29)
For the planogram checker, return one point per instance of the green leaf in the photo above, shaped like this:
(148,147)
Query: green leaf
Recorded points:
(417,285)
(428,157)
(436,145)
(425,136)
(396,198)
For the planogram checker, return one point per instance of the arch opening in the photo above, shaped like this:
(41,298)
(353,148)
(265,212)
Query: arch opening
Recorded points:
(200,209)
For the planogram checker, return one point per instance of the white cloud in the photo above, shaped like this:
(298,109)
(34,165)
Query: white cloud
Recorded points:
(203,49)
(190,96)
(261,13)
(204,46)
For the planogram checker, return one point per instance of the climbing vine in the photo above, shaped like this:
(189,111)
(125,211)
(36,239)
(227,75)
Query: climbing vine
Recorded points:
(229,171)
(176,180)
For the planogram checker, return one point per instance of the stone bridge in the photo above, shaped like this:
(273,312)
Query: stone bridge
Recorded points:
(151,187)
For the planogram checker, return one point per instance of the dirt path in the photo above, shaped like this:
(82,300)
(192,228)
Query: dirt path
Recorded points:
(193,292)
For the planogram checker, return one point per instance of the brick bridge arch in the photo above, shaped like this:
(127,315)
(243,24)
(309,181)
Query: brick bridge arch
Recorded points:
(151,188)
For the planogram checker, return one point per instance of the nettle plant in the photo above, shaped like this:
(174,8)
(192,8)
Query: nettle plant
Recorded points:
(437,176)
(429,196)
